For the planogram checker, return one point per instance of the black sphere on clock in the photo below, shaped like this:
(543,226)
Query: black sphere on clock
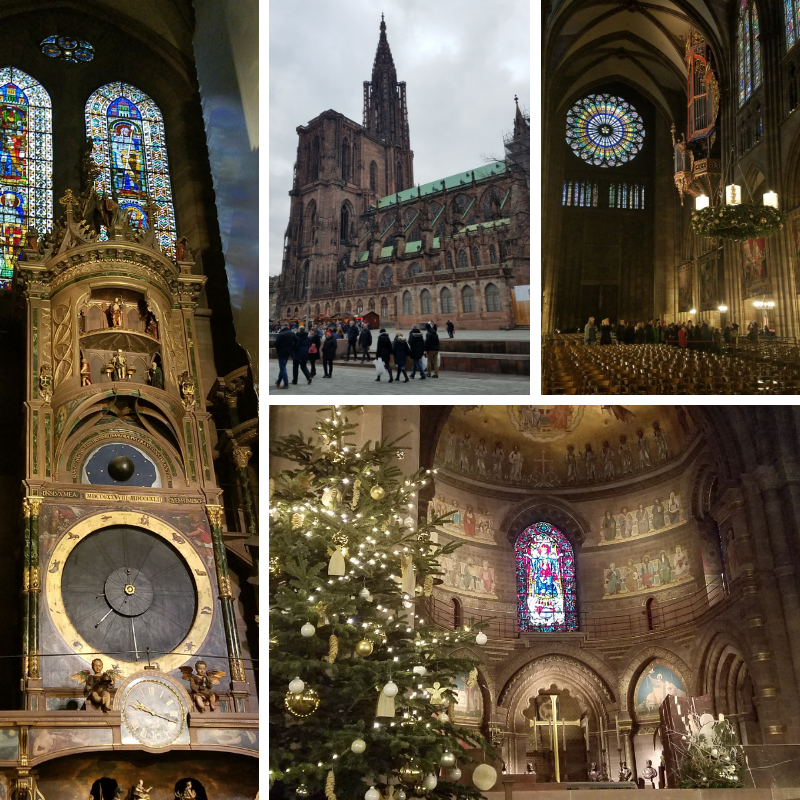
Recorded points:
(126,590)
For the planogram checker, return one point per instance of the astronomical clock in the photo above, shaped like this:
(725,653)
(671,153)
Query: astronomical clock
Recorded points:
(130,637)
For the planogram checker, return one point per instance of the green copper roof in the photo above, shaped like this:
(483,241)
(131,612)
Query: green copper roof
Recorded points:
(493,223)
(363,256)
(466,210)
(413,247)
(462,179)
(387,251)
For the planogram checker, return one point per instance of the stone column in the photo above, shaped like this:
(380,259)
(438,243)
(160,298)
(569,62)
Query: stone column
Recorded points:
(225,598)
(33,589)
(26,583)
(241,456)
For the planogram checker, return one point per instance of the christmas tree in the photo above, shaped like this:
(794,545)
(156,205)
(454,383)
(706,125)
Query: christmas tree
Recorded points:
(359,683)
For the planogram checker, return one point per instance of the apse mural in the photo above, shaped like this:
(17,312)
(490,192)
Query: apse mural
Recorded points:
(545,580)
(647,574)
(468,708)
(642,520)
(472,576)
(546,422)
(658,683)
(467,521)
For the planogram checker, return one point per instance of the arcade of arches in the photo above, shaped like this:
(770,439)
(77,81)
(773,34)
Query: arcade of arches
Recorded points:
(677,533)
(619,187)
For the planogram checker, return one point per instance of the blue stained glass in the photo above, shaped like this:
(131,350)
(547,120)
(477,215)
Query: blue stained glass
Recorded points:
(67,49)
(545,580)
(756,50)
(788,16)
(127,132)
(604,130)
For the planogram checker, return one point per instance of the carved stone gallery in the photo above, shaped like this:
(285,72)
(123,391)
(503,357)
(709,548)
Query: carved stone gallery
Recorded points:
(129,528)
(620,613)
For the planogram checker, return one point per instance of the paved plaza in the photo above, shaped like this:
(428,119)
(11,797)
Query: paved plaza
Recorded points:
(357,380)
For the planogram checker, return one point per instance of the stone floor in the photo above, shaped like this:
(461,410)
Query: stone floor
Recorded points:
(353,380)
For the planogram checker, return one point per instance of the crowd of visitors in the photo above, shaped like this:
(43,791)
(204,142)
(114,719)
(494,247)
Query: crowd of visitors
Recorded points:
(701,336)
(304,348)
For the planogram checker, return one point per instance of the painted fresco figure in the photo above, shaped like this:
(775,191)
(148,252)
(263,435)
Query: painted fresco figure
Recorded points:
(613,579)
(624,524)
(450,449)
(609,527)
(589,460)
(660,438)
(497,461)
(643,520)
(664,568)
(466,446)
(644,452)
(515,460)
(571,460)
(658,515)
(648,572)
(631,577)
(469,522)
(480,459)
(681,562)
(609,471)
(625,456)
(674,509)
(486,577)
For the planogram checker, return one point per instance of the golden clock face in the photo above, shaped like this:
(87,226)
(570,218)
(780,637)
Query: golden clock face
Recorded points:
(152,712)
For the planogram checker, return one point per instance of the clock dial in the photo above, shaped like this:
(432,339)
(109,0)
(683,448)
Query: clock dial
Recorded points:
(126,590)
(152,712)
(120,464)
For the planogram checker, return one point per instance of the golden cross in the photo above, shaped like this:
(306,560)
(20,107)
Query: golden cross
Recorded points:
(553,723)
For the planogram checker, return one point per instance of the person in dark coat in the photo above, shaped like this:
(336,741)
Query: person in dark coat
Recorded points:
(416,344)
(285,343)
(314,345)
(605,332)
(352,340)
(400,353)
(621,332)
(432,350)
(365,341)
(639,333)
(450,328)
(300,355)
(630,333)
(705,334)
(328,353)
(648,332)
(383,352)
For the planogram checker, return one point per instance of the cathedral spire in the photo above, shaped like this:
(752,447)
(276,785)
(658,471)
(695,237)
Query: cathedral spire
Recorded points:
(383,56)
(521,126)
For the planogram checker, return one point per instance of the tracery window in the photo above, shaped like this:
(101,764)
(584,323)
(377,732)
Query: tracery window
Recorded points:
(361,282)
(476,257)
(386,277)
(384,308)
(425,301)
(626,195)
(468,299)
(413,270)
(545,580)
(604,130)
(748,50)
(128,145)
(26,164)
(414,235)
(340,282)
(439,230)
(492,294)
(462,259)
(492,254)
(449,260)
(579,193)
(344,222)
(408,305)
(446,299)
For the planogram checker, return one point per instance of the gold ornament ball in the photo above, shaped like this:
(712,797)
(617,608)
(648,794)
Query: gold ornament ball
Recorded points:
(410,774)
(364,648)
(377,493)
(484,777)
(420,791)
(302,704)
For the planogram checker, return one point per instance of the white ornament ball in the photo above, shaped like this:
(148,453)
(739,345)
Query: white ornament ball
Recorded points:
(308,630)
(455,774)
(408,522)
(430,781)
(447,759)
(481,638)
(401,795)
(443,717)
(419,670)
(296,686)
(364,593)
(372,794)
(358,746)
(390,690)
(484,777)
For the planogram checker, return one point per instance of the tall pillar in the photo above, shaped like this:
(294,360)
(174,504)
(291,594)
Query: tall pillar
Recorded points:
(26,583)
(33,589)
(242,455)
(226,599)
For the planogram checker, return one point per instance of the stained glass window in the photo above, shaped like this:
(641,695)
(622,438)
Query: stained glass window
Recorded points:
(26,165)
(127,132)
(67,49)
(789,13)
(604,130)
(748,50)
(545,580)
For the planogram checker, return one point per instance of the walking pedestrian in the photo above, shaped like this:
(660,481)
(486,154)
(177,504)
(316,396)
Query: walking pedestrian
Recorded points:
(450,328)
(300,355)
(352,340)
(383,352)
(590,333)
(432,350)
(285,343)
(314,345)
(365,341)
(400,353)
(416,345)
(328,353)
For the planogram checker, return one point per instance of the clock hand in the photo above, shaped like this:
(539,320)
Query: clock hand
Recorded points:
(135,647)
(107,613)
(142,707)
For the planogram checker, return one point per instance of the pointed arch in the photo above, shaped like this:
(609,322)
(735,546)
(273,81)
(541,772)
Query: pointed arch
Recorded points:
(361,282)
(476,256)
(386,278)
(345,215)
(463,263)
(384,308)
(468,298)
(408,304)
(129,147)
(446,299)
(492,295)
(373,176)
(425,301)
(26,164)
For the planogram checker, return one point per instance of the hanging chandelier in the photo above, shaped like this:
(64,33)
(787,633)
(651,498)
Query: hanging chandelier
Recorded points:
(737,221)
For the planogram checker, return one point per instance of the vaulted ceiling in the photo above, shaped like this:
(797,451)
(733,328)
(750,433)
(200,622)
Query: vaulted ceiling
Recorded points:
(640,42)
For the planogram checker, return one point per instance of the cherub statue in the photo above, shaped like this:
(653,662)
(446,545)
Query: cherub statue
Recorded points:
(187,390)
(120,365)
(435,692)
(98,685)
(140,793)
(202,685)
(187,794)
(46,383)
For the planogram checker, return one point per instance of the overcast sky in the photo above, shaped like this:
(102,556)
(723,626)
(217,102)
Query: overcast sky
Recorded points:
(462,60)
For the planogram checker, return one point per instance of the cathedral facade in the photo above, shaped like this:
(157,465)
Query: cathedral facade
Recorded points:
(127,479)
(362,236)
